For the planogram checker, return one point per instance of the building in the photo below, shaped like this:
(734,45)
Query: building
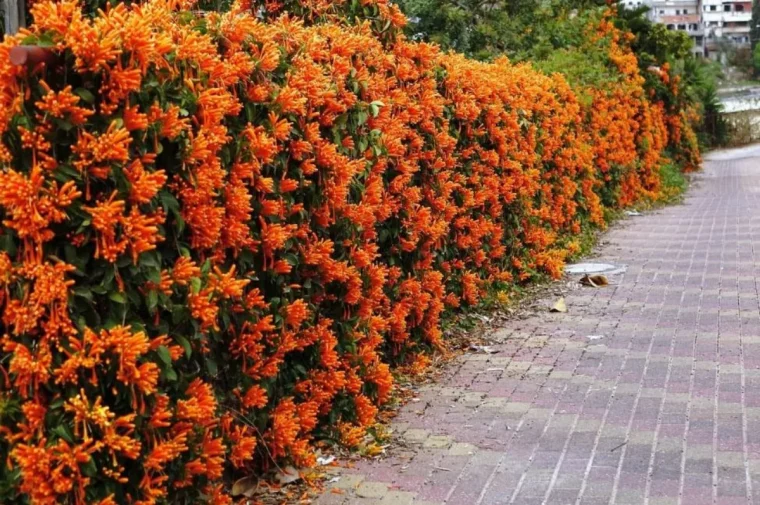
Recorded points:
(711,24)
(726,22)
(681,15)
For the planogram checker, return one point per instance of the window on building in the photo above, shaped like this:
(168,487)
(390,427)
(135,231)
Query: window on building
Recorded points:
(671,27)
(686,11)
(713,7)
(678,12)
(727,7)
(739,8)
(681,27)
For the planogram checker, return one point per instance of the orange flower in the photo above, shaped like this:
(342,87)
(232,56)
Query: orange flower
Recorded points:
(63,105)
(97,153)
(200,408)
(145,185)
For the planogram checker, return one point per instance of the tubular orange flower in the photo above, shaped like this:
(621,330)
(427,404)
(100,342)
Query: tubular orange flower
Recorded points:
(261,213)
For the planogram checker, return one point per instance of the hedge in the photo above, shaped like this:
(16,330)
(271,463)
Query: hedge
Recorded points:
(220,230)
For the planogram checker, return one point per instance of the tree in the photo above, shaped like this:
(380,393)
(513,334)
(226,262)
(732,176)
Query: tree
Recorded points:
(488,28)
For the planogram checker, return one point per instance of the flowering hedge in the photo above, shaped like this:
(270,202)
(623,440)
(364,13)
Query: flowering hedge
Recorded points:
(218,230)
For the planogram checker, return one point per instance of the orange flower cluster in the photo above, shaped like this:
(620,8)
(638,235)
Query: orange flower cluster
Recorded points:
(217,232)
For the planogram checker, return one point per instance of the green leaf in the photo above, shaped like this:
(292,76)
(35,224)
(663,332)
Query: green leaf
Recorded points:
(7,244)
(64,124)
(124,261)
(206,267)
(164,354)
(83,292)
(185,343)
(169,201)
(170,374)
(195,285)
(180,314)
(86,95)
(69,171)
(118,297)
(57,404)
(374,107)
(62,430)
(89,468)
(150,259)
(152,300)
(211,366)
(45,40)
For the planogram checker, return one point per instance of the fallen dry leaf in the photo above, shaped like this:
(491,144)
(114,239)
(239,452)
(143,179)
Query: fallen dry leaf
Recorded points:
(245,486)
(559,306)
(594,281)
(287,475)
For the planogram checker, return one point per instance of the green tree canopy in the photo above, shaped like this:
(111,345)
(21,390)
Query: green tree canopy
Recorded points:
(487,28)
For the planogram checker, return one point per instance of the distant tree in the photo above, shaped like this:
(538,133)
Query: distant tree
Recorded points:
(487,28)
(754,36)
(654,43)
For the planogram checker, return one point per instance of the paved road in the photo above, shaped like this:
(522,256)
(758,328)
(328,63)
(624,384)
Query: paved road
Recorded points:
(646,392)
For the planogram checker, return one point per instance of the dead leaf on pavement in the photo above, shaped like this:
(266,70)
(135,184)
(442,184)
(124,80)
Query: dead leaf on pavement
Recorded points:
(287,475)
(245,486)
(594,281)
(560,306)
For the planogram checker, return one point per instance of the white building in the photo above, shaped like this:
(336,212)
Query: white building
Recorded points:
(681,15)
(709,23)
(727,21)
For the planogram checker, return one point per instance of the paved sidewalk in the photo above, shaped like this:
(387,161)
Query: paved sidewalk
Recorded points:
(663,409)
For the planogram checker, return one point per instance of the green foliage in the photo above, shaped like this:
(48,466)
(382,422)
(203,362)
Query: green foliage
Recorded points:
(756,58)
(655,45)
(552,35)
(520,29)
(582,69)
(701,87)
(673,183)
(743,59)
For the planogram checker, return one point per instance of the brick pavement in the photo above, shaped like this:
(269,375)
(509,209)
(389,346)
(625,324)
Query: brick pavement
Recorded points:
(663,409)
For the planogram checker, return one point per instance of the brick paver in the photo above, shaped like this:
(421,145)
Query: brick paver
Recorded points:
(663,409)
